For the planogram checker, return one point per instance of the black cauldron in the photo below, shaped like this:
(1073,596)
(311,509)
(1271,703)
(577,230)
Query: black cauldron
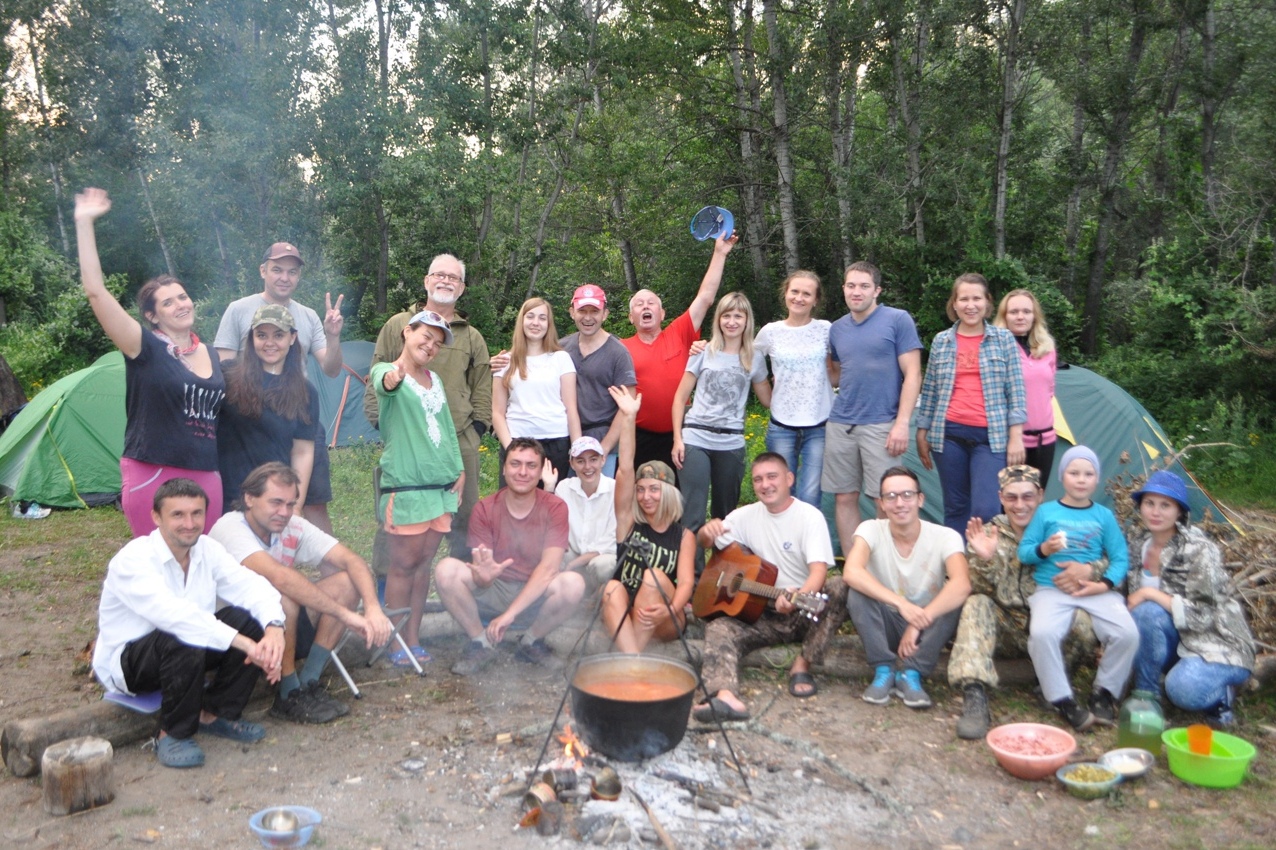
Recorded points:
(632,707)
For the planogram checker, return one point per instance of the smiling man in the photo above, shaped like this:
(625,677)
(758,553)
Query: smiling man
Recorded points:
(994,620)
(518,536)
(660,354)
(160,628)
(270,539)
(794,537)
(908,580)
(601,361)
(590,497)
(280,274)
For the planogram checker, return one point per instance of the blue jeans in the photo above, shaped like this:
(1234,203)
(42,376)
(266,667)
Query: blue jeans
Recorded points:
(803,450)
(968,469)
(1191,683)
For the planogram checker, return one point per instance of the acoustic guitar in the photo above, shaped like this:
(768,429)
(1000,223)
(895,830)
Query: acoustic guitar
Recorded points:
(736,583)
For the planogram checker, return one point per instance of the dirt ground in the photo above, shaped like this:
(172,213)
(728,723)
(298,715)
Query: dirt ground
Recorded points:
(831,771)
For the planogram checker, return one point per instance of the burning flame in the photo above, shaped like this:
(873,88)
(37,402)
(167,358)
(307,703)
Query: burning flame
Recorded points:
(574,748)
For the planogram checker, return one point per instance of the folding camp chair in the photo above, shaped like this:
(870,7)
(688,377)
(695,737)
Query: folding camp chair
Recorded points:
(397,617)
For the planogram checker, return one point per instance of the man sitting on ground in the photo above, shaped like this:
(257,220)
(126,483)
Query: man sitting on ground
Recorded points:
(270,538)
(995,617)
(157,630)
(903,607)
(794,537)
(591,512)
(518,536)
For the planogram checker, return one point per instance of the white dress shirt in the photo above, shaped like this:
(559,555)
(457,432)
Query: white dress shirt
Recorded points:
(591,520)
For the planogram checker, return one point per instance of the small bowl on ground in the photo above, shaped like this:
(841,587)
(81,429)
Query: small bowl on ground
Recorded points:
(1088,780)
(1030,750)
(1224,767)
(285,826)
(1130,762)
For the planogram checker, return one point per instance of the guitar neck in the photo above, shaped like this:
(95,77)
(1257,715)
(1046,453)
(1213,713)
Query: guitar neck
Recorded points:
(758,589)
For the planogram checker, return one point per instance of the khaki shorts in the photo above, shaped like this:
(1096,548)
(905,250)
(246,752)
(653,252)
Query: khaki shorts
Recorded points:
(855,457)
(494,600)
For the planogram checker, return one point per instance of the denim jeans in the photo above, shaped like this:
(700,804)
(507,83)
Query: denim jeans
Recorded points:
(1191,683)
(803,450)
(968,470)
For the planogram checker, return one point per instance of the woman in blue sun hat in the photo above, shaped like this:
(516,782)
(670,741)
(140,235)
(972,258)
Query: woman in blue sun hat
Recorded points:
(1191,627)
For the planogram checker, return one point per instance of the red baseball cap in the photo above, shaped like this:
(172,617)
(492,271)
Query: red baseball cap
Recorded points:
(282,249)
(589,295)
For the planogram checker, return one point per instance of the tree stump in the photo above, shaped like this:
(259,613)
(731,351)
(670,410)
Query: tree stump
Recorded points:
(77,775)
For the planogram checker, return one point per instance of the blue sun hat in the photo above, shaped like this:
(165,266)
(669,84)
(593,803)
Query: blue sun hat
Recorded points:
(712,222)
(1164,483)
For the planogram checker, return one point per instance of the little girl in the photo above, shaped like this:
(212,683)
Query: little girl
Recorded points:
(1063,539)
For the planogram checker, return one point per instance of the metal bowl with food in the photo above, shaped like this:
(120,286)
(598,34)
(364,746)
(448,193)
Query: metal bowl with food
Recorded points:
(1130,762)
(1088,780)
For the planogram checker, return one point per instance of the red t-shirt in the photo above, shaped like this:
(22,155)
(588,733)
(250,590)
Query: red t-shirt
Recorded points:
(659,367)
(967,404)
(525,540)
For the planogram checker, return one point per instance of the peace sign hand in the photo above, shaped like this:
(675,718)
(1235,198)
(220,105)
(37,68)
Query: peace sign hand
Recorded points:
(333,321)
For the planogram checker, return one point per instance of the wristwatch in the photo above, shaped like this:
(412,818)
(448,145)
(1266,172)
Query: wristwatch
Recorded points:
(279,624)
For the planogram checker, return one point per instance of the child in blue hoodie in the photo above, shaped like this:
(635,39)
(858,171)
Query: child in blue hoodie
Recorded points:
(1063,539)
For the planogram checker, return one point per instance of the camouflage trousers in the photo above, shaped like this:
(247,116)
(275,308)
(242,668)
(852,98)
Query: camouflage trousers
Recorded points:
(987,630)
(728,640)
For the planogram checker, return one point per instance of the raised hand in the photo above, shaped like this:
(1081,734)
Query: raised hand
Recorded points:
(627,404)
(91,204)
(981,538)
(333,321)
(391,379)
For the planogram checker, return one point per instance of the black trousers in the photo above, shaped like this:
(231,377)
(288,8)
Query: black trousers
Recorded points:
(159,661)
(654,445)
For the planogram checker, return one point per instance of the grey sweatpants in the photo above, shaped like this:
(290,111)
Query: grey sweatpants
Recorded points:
(1051,619)
(881,626)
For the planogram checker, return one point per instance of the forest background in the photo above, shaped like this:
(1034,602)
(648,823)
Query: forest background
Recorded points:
(1117,157)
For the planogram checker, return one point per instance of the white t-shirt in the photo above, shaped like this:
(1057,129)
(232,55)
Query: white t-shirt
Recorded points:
(802,395)
(299,544)
(591,520)
(920,576)
(792,539)
(536,406)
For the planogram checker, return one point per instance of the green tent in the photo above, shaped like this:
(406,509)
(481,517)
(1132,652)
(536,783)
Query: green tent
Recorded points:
(63,450)
(341,398)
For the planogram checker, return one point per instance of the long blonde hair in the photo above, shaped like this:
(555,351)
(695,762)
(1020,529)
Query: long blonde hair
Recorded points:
(518,349)
(1040,342)
(734,301)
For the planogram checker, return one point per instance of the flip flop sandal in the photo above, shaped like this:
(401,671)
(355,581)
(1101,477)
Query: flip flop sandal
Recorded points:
(421,655)
(399,658)
(803,678)
(724,712)
(179,752)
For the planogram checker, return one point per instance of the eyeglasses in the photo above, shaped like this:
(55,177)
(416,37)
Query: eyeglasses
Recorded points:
(447,276)
(900,496)
(1012,498)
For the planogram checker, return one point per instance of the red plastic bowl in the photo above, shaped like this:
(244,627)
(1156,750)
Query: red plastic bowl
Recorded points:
(1031,750)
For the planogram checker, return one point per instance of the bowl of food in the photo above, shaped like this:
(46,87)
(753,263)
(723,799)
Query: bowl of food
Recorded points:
(284,826)
(1088,780)
(1130,762)
(1224,767)
(1030,750)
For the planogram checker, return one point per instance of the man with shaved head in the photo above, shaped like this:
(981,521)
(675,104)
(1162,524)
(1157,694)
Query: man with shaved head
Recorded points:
(660,354)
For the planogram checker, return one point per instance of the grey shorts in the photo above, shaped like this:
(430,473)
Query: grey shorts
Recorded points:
(855,457)
(494,600)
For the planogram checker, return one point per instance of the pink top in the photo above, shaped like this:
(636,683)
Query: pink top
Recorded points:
(967,404)
(1038,384)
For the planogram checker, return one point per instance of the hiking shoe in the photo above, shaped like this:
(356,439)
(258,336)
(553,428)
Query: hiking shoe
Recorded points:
(304,705)
(179,752)
(974,720)
(476,657)
(879,692)
(536,652)
(1078,718)
(1103,706)
(243,731)
(320,693)
(908,687)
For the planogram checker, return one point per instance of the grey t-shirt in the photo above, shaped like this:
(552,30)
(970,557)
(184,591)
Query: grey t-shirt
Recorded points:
(609,366)
(239,315)
(722,390)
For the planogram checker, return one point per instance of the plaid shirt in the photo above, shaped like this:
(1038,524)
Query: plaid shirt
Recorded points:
(1000,373)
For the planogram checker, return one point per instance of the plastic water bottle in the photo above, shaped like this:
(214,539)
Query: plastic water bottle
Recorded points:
(1141,723)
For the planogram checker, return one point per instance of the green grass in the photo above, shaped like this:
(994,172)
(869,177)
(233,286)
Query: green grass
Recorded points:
(1249,485)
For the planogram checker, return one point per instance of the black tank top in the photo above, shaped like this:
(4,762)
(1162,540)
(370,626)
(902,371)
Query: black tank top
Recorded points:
(663,547)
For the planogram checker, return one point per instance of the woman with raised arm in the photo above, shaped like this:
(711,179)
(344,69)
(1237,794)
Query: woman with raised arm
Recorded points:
(422,476)
(535,395)
(1191,626)
(972,408)
(801,395)
(1020,313)
(173,385)
(271,409)
(655,571)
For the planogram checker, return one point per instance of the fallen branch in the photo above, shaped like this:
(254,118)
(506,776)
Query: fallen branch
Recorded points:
(665,838)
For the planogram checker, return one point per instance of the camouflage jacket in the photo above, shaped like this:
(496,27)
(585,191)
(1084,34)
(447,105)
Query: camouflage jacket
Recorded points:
(1002,578)
(1206,612)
